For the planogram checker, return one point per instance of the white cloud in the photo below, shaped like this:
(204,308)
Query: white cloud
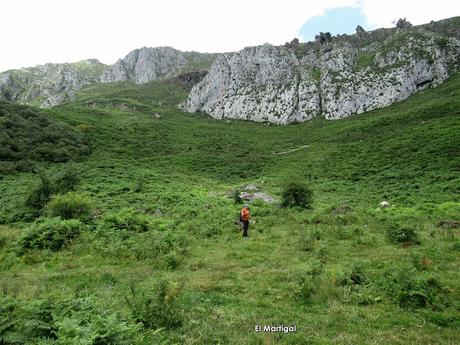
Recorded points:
(36,32)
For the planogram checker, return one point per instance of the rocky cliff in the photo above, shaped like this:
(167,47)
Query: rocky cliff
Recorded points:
(336,78)
(52,84)
(147,64)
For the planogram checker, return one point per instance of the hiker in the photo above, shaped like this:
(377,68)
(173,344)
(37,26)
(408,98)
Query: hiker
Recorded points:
(244,218)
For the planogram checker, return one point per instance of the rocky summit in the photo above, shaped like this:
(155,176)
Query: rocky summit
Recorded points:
(334,77)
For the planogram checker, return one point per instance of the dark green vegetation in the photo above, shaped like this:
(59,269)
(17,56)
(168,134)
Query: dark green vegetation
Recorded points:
(150,253)
(296,194)
(28,135)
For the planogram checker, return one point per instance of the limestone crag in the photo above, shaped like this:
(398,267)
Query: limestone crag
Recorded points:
(147,64)
(286,84)
(50,84)
(262,83)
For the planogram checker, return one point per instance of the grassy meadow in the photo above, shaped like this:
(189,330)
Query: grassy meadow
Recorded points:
(136,241)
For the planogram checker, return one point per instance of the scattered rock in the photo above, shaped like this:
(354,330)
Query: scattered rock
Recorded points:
(264,197)
(257,196)
(124,107)
(384,204)
(251,192)
(157,116)
(249,187)
(158,212)
(96,214)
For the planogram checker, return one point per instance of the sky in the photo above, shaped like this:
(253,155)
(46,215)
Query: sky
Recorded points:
(39,31)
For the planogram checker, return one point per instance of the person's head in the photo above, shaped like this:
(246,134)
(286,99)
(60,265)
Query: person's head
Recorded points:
(246,206)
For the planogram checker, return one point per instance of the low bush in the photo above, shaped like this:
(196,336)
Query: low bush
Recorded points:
(50,233)
(401,234)
(155,307)
(236,196)
(66,179)
(296,194)
(128,219)
(412,289)
(355,276)
(70,205)
(41,193)
(63,181)
(70,321)
(83,321)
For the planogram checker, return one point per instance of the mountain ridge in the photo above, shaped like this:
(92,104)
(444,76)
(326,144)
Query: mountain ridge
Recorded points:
(54,83)
(334,77)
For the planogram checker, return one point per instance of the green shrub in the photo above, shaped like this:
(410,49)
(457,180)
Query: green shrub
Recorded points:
(71,321)
(236,196)
(296,194)
(307,290)
(83,321)
(412,289)
(355,276)
(41,194)
(128,219)
(8,333)
(63,181)
(50,233)
(70,205)
(67,179)
(155,307)
(402,234)
(306,243)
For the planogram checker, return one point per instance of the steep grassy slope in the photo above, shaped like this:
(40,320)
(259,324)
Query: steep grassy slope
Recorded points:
(161,249)
(28,135)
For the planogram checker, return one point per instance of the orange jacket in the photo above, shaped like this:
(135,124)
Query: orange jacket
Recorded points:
(245,215)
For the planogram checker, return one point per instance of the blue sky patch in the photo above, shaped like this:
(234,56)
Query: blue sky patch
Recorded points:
(340,20)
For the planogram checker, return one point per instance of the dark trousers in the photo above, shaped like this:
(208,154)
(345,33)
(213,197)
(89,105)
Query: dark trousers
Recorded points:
(245,228)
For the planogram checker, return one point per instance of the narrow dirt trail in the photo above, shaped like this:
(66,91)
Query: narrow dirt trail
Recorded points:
(291,150)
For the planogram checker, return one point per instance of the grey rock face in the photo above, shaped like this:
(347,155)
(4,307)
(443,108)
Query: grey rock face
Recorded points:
(273,84)
(264,83)
(50,84)
(147,64)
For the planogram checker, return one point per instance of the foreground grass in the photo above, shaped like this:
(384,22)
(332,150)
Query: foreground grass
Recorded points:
(175,170)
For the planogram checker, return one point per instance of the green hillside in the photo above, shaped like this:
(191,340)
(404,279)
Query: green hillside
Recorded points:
(28,135)
(147,251)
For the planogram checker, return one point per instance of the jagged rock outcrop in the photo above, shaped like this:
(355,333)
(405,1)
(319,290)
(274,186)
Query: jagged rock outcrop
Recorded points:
(50,84)
(147,64)
(334,79)
(264,83)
